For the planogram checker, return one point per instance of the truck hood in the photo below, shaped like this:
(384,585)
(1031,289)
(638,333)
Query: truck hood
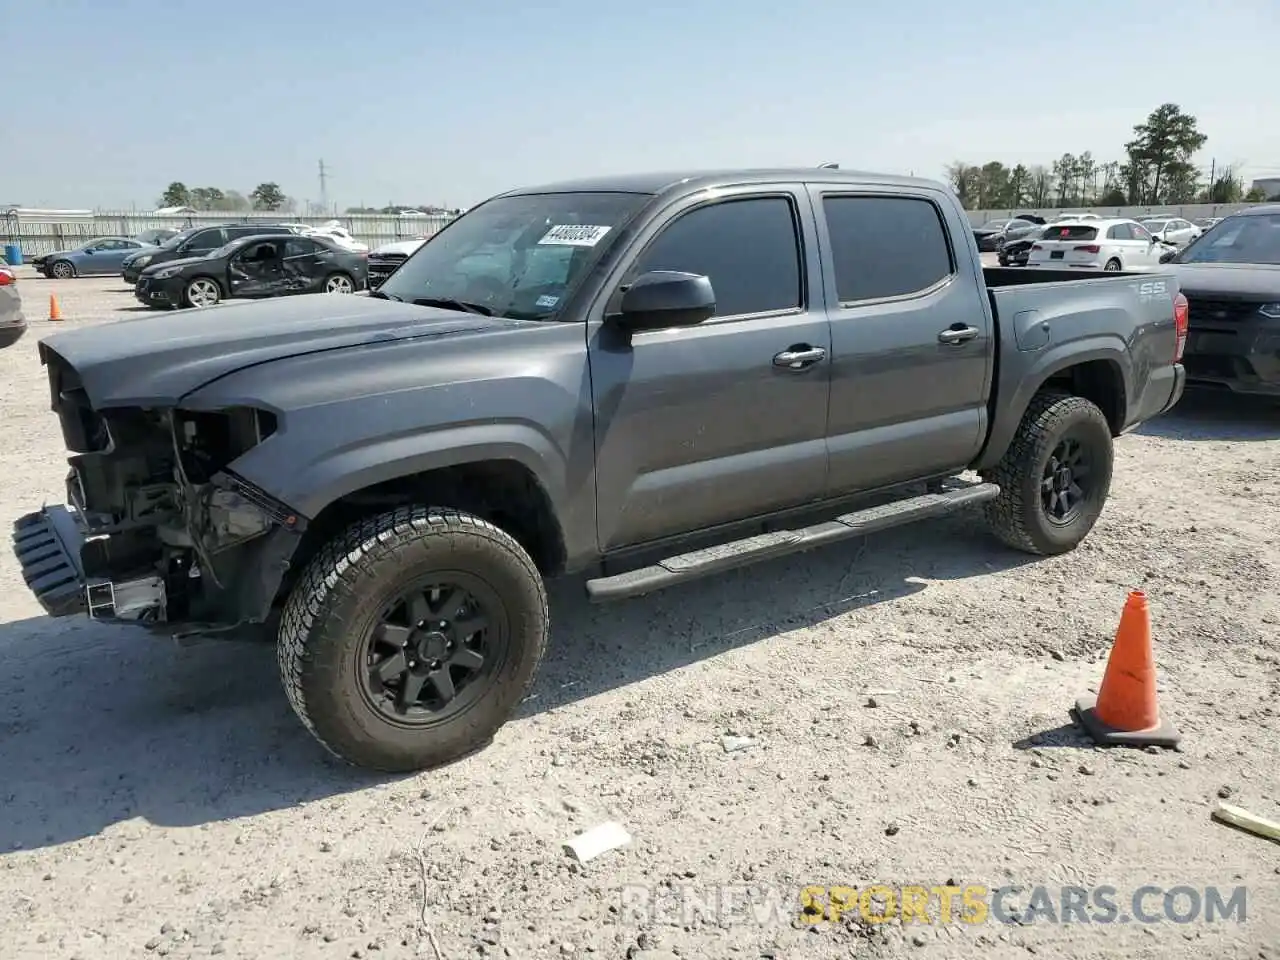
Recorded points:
(155,361)
(1235,281)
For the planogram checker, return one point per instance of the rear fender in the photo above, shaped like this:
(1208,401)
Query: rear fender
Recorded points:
(1019,386)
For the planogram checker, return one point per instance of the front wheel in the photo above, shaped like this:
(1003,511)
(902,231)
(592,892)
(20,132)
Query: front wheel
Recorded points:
(411,638)
(202,292)
(339,283)
(62,270)
(1054,478)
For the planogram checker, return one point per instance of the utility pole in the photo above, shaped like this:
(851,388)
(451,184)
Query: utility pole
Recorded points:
(324,187)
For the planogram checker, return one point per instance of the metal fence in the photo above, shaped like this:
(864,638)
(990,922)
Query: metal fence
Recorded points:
(35,235)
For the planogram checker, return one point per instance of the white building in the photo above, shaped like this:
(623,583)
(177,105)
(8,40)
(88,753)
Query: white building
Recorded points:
(1268,185)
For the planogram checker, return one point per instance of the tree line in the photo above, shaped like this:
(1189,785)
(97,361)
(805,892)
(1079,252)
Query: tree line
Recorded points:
(1157,169)
(265,196)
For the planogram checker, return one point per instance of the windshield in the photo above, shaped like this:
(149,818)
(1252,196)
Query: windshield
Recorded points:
(1253,239)
(516,257)
(994,224)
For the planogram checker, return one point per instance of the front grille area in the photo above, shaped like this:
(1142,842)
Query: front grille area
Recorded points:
(1204,312)
(382,265)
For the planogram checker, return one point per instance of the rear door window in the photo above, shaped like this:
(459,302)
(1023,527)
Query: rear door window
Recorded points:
(207,240)
(302,247)
(1120,231)
(886,246)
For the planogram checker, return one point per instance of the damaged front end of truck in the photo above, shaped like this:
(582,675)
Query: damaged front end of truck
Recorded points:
(158,529)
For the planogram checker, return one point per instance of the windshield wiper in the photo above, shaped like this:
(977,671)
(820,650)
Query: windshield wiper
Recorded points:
(385,296)
(449,303)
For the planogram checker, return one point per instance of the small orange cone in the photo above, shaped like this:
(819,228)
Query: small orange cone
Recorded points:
(55,312)
(1125,711)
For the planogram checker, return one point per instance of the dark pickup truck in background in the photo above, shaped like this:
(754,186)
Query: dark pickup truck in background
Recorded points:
(640,381)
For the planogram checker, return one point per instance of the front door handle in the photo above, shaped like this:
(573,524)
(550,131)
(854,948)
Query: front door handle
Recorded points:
(958,334)
(799,357)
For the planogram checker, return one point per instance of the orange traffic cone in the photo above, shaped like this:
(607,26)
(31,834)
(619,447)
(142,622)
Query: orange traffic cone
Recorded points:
(1125,711)
(55,312)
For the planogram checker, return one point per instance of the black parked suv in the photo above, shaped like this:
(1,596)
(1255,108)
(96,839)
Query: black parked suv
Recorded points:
(196,242)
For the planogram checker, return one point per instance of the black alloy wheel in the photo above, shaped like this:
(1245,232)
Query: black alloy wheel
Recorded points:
(433,651)
(1064,486)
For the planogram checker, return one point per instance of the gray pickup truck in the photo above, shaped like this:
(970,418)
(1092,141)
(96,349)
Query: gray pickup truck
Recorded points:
(639,381)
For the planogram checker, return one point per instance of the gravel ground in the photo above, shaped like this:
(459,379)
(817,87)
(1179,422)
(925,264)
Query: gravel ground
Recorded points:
(164,800)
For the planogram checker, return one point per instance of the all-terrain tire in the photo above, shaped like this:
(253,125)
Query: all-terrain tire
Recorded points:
(1018,516)
(332,610)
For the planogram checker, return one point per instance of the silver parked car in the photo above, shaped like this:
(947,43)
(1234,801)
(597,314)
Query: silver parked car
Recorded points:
(12,323)
(103,256)
(1173,230)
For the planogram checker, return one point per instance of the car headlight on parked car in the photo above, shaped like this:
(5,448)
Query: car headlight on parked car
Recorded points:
(168,272)
(1270,310)
(140,262)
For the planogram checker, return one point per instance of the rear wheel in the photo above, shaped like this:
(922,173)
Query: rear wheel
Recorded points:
(1113,266)
(339,283)
(202,292)
(410,639)
(1055,476)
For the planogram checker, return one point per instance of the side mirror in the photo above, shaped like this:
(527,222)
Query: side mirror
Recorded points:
(666,298)
(1168,256)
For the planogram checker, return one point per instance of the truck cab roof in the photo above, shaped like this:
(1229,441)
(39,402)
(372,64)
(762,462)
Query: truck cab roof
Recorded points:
(689,181)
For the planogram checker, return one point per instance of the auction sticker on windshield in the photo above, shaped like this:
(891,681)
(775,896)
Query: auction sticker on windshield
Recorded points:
(574,235)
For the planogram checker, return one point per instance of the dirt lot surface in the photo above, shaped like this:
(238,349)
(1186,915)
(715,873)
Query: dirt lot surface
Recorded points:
(163,801)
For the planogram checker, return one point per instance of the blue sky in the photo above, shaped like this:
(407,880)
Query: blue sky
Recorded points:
(109,100)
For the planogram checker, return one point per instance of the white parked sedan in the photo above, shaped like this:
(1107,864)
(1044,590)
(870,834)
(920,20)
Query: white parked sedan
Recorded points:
(1173,230)
(1105,245)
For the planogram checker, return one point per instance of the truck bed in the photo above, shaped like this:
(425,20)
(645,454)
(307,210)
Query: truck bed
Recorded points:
(1022,276)
(1046,319)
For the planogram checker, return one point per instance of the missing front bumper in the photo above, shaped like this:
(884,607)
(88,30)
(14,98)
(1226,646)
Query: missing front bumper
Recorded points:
(47,545)
(136,600)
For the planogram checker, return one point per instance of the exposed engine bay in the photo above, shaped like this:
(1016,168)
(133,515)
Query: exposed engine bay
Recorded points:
(171,535)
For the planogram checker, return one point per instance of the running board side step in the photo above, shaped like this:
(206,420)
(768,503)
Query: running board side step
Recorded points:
(780,543)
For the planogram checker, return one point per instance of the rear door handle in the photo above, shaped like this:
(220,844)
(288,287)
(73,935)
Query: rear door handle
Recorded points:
(958,334)
(799,357)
